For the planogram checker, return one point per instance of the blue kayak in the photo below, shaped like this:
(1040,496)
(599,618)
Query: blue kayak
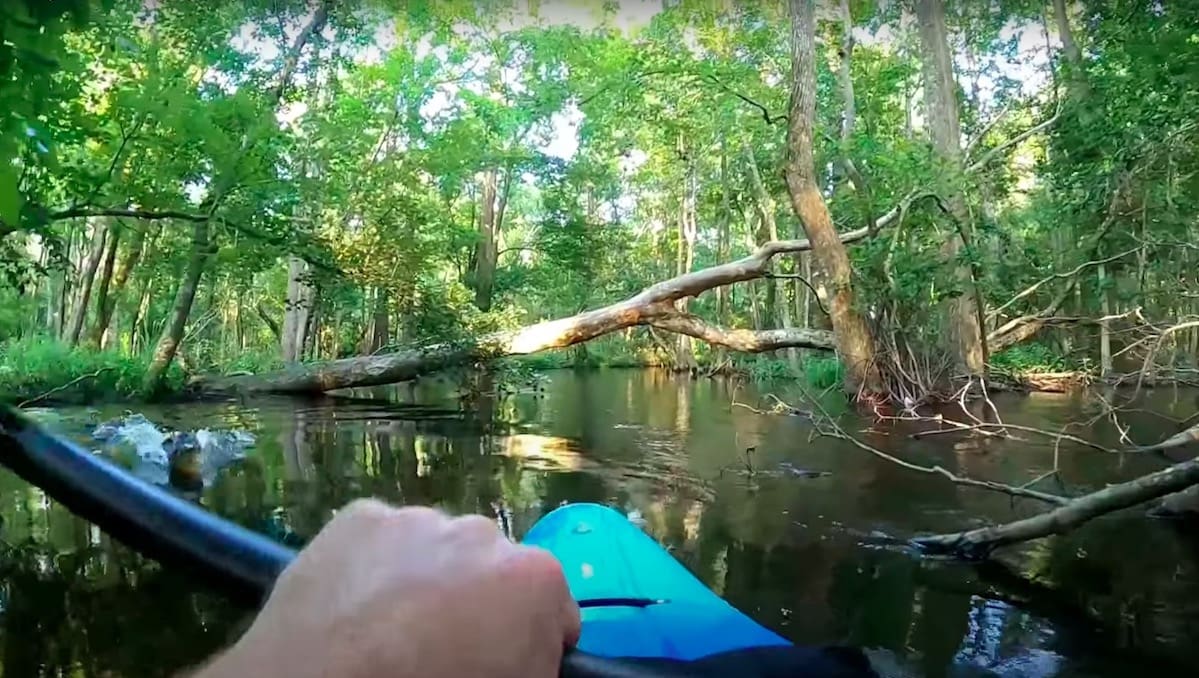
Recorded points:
(636,600)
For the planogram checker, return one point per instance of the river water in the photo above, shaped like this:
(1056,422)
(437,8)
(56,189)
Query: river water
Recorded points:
(818,559)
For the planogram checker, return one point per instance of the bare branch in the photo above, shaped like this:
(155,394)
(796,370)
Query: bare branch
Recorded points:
(995,152)
(60,389)
(149,215)
(989,427)
(796,276)
(1057,276)
(314,27)
(979,543)
(1156,347)
(826,425)
(747,341)
(982,134)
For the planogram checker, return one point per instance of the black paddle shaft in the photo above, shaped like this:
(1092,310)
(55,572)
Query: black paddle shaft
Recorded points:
(235,561)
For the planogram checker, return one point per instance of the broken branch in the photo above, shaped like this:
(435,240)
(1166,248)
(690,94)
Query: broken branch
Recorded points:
(979,543)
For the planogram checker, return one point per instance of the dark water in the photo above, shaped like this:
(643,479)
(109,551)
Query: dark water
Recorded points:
(812,558)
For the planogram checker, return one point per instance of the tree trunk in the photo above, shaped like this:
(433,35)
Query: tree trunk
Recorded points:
(119,279)
(1105,333)
(804,303)
(312,326)
(766,212)
(202,247)
(491,214)
(684,359)
(381,325)
(1069,47)
(270,322)
(295,310)
(103,298)
(722,237)
(751,243)
(849,114)
(854,343)
(139,316)
(86,278)
(172,334)
(940,97)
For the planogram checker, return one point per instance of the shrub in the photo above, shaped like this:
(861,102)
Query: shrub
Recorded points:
(34,366)
(1032,357)
(823,372)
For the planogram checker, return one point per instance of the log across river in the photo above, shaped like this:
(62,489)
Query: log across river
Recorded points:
(811,544)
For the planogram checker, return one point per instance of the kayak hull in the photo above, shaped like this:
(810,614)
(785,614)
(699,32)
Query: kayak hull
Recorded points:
(636,600)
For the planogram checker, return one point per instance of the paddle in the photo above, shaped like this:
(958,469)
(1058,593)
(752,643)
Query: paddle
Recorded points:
(235,561)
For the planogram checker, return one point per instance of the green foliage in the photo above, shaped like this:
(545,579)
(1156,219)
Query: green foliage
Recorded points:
(371,168)
(253,362)
(34,366)
(1031,357)
(823,372)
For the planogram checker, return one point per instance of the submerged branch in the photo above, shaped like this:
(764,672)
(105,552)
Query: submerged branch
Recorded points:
(826,425)
(979,543)
(60,389)
(990,428)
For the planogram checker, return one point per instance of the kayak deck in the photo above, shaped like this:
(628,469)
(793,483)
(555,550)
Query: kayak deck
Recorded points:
(636,600)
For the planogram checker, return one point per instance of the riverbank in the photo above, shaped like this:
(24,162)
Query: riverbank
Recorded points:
(39,371)
(43,372)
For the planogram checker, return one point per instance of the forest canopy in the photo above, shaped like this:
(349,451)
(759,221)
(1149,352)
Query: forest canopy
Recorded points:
(929,190)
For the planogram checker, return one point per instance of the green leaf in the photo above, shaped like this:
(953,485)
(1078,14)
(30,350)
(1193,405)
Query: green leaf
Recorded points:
(10,195)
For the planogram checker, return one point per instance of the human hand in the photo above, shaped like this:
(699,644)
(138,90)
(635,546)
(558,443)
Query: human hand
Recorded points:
(409,592)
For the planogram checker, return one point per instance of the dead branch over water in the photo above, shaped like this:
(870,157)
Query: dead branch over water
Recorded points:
(1069,512)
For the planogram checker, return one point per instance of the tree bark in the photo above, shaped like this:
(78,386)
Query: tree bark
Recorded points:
(87,277)
(853,340)
(940,97)
(172,334)
(653,307)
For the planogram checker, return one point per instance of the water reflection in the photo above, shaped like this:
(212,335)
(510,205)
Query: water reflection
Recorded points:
(797,553)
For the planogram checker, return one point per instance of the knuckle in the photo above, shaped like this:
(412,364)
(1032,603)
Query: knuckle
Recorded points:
(475,527)
(536,564)
(366,509)
(420,515)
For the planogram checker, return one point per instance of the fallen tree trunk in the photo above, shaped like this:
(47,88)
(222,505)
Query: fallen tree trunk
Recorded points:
(653,306)
(979,543)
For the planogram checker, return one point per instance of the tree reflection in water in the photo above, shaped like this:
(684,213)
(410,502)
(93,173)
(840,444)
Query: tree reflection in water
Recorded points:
(796,554)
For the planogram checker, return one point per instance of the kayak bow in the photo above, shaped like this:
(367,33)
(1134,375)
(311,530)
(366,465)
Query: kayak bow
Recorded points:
(644,615)
(635,598)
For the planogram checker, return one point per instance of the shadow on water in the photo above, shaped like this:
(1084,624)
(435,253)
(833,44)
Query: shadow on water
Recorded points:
(814,558)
